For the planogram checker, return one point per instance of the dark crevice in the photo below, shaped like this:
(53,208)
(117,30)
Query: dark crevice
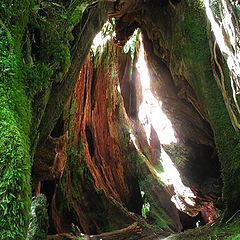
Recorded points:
(175,1)
(133,100)
(32,45)
(189,222)
(70,216)
(157,3)
(48,188)
(90,140)
(58,130)
(199,172)
(124,30)
(136,200)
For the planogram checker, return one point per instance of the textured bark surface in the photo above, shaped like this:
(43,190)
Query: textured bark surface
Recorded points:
(50,159)
(102,156)
(60,92)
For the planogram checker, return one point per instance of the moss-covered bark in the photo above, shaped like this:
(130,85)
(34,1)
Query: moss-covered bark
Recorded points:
(39,40)
(15,117)
(76,27)
(226,138)
(183,39)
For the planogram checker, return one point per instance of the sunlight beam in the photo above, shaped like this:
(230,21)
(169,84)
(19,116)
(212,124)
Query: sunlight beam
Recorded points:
(151,115)
(150,111)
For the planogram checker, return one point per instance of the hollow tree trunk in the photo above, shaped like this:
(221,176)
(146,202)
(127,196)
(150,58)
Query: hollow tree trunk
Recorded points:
(102,162)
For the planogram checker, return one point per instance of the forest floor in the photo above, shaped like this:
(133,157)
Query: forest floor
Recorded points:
(216,231)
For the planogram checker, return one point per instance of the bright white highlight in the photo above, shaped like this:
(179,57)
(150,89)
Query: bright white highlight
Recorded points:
(227,35)
(133,138)
(101,39)
(119,88)
(233,60)
(150,111)
(172,177)
(151,115)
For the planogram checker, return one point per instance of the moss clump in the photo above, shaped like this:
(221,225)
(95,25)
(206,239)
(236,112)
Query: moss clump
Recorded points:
(37,77)
(191,44)
(52,25)
(14,142)
(157,215)
(51,33)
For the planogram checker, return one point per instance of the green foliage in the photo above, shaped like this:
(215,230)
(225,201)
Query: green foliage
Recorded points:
(37,77)
(79,238)
(131,46)
(75,16)
(108,28)
(237,9)
(38,226)
(14,143)
(15,14)
(99,48)
(146,205)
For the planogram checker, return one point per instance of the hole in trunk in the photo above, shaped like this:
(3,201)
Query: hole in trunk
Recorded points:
(48,188)
(189,222)
(58,130)
(90,140)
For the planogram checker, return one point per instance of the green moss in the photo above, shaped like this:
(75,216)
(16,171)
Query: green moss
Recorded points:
(53,37)
(191,43)
(55,22)
(14,142)
(195,54)
(148,183)
(37,77)
(157,214)
(15,15)
(217,231)
(83,191)
(75,15)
